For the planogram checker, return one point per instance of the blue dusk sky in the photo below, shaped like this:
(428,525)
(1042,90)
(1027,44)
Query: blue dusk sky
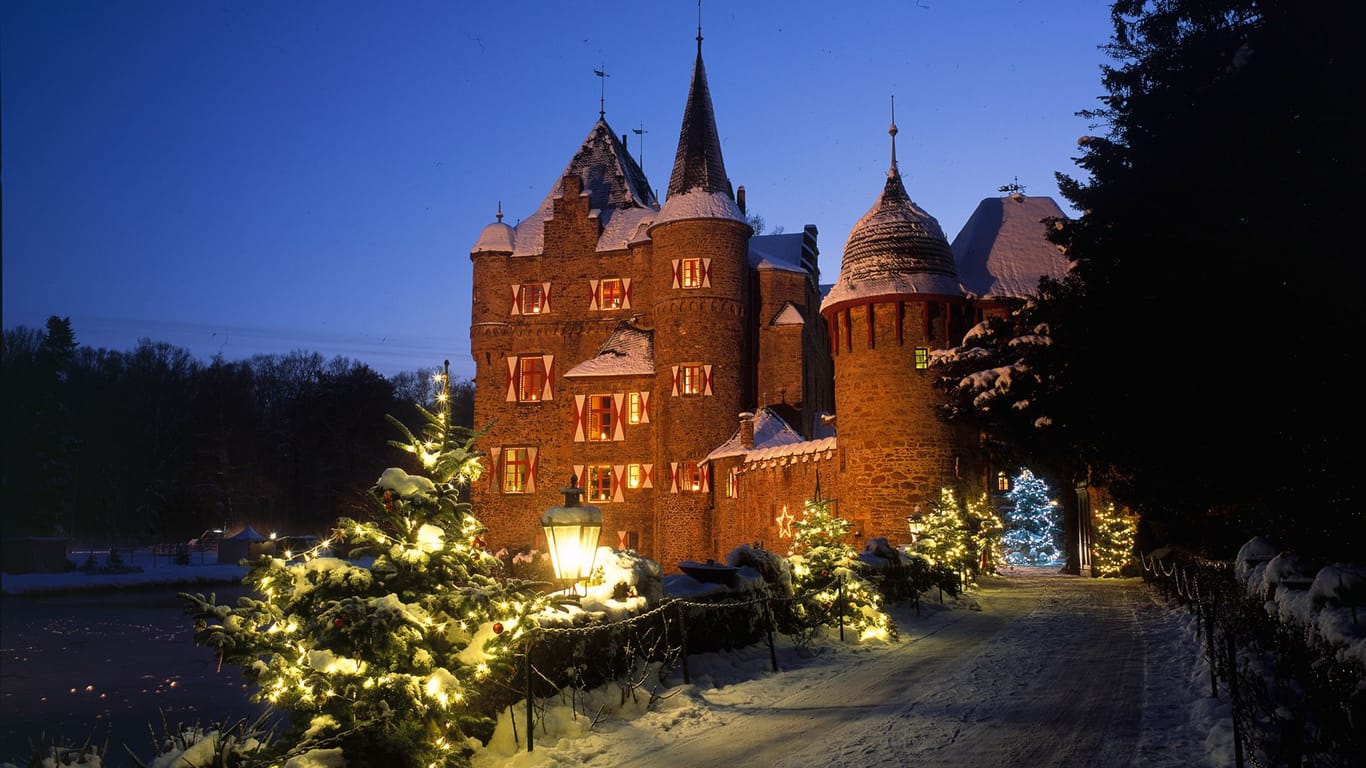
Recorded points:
(258,177)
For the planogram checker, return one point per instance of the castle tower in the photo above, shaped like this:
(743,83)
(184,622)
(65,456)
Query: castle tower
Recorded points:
(897,297)
(703,345)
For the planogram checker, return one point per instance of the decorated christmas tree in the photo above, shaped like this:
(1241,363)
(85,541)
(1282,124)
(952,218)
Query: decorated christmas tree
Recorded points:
(983,531)
(1114,547)
(824,569)
(390,656)
(945,539)
(1032,535)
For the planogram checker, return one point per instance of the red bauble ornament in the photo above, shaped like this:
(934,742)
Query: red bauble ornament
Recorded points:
(337,622)
(497,627)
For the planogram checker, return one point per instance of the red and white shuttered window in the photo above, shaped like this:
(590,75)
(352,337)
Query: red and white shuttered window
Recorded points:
(689,477)
(530,378)
(608,482)
(691,379)
(599,418)
(692,273)
(531,299)
(637,407)
(611,293)
(516,470)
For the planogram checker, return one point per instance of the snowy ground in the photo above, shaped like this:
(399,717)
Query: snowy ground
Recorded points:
(1033,668)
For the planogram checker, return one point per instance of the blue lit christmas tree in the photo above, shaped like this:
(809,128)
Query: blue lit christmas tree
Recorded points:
(1033,536)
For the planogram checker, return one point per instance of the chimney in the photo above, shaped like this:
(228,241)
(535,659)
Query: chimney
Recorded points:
(740,199)
(747,430)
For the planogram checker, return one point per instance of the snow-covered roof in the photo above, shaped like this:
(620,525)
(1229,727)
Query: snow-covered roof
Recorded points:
(789,315)
(629,351)
(803,450)
(1001,251)
(616,187)
(782,252)
(896,248)
(495,238)
(699,204)
(770,431)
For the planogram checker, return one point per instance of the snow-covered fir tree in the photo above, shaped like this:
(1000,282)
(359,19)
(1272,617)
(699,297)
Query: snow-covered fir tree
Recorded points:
(391,655)
(1114,544)
(824,569)
(945,539)
(1032,533)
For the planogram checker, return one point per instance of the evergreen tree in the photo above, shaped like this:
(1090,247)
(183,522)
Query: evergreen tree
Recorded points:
(394,661)
(1114,547)
(1031,531)
(824,567)
(983,529)
(1190,212)
(945,540)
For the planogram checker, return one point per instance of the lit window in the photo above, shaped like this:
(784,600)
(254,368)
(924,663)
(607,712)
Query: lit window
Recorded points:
(691,379)
(922,358)
(532,298)
(733,484)
(599,417)
(635,476)
(516,470)
(613,294)
(599,482)
(530,378)
(1002,482)
(689,477)
(635,408)
(691,273)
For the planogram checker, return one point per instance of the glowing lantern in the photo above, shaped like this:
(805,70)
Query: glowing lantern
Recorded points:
(916,524)
(571,534)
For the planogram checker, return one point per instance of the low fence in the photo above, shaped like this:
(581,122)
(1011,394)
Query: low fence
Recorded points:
(1294,700)
(647,647)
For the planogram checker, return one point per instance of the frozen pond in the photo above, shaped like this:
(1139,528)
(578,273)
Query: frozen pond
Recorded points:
(106,667)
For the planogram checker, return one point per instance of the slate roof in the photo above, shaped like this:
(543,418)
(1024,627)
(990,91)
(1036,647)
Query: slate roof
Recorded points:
(895,248)
(698,163)
(629,351)
(770,432)
(1002,252)
(616,186)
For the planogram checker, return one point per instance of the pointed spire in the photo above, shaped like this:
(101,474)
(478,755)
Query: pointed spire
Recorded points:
(698,163)
(500,210)
(893,171)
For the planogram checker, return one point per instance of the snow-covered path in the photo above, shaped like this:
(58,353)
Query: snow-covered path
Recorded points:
(1053,670)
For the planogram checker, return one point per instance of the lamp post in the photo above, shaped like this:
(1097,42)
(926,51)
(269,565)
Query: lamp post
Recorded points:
(571,535)
(915,523)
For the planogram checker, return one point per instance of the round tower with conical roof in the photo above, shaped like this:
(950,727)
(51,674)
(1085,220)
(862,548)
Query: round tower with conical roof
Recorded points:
(897,297)
(703,349)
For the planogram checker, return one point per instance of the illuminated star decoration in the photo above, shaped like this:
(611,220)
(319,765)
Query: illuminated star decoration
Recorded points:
(784,522)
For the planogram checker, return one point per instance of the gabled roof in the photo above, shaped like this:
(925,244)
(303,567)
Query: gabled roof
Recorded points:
(1002,252)
(616,187)
(789,315)
(770,432)
(629,351)
(790,252)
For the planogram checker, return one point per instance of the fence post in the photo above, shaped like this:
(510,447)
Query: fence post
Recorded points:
(1232,650)
(839,606)
(1210,616)
(768,614)
(683,633)
(530,703)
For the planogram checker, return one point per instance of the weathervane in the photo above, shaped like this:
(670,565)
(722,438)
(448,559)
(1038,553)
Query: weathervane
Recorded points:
(602,92)
(641,133)
(892,132)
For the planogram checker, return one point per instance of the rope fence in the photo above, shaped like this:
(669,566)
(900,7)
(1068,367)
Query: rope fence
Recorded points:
(639,652)
(1293,700)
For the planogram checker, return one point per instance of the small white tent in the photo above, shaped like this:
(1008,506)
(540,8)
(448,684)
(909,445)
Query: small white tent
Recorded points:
(243,545)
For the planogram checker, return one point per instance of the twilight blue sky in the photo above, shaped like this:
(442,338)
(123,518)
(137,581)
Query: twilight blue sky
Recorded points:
(244,177)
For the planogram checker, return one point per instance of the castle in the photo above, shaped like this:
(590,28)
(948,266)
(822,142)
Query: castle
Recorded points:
(697,380)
